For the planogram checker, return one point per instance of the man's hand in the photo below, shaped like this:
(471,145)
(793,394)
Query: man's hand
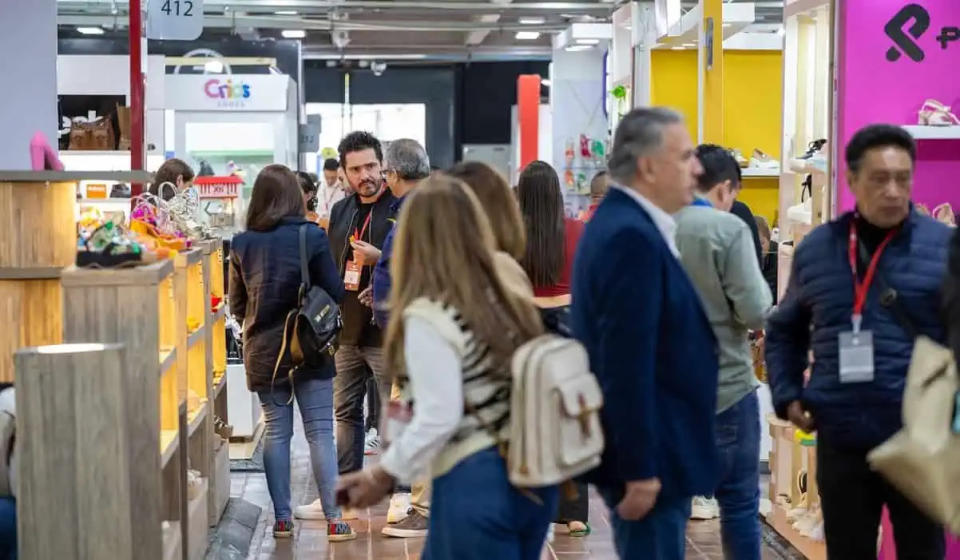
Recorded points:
(800,417)
(366,296)
(639,499)
(364,488)
(364,253)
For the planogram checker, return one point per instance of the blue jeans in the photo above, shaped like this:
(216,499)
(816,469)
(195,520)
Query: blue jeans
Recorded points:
(661,535)
(8,529)
(315,399)
(476,514)
(738,493)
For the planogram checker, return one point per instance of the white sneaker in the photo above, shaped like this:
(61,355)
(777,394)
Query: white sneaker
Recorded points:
(550,534)
(399,507)
(371,443)
(704,509)
(313,510)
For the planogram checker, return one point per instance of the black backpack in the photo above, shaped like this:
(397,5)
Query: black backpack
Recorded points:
(309,331)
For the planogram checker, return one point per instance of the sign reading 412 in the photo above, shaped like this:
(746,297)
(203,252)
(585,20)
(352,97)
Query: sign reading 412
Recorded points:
(177,20)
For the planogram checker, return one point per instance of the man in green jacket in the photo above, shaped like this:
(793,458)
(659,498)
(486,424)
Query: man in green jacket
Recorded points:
(717,251)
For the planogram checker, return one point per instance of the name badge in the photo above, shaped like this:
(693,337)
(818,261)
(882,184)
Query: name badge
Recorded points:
(351,276)
(856,357)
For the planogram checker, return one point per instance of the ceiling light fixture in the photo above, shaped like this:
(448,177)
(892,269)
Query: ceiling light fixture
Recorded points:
(575,48)
(528,35)
(533,20)
(286,12)
(293,33)
(90,30)
(676,48)
(213,67)
(588,41)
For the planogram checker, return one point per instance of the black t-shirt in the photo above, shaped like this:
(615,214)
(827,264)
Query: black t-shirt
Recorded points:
(358,325)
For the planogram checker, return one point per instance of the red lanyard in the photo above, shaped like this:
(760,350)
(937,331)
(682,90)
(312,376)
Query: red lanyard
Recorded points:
(860,289)
(359,236)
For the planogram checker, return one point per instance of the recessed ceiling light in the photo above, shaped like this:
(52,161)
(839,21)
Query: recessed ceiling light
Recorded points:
(286,12)
(676,48)
(574,48)
(728,25)
(533,20)
(588,41)
(90,30)
(293,33)
(528,35)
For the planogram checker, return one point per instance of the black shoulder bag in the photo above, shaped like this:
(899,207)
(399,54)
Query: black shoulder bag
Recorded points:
(309,331)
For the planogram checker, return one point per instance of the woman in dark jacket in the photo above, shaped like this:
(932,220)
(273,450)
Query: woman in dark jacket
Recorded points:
(264,283)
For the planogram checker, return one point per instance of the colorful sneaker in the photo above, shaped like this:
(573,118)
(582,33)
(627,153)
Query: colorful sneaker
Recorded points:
(283,529)
(413,525)
(338,531)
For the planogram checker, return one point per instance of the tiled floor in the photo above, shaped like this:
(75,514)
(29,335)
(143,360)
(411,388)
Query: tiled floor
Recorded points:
(309,540)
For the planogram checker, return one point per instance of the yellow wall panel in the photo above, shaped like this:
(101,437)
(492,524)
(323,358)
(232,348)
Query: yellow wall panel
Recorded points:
(674,83)
(753,101)
(761,195)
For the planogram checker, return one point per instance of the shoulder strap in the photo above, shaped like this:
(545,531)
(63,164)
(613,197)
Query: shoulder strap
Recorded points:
(304,268)
(889,297)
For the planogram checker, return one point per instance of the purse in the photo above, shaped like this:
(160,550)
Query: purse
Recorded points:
(309,331)
(96,135)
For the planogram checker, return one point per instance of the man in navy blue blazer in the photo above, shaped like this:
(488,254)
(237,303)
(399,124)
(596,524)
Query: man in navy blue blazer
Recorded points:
(650,343)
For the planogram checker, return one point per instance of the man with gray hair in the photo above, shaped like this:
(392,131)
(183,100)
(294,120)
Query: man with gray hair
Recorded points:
(649,341)
(406,164)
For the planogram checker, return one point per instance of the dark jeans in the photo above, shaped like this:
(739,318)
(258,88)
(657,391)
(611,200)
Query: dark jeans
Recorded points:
(356,365)
(373,404)
(661,535)
(576,509)
(853,497)
(738,442)
(8,529)
(476,514)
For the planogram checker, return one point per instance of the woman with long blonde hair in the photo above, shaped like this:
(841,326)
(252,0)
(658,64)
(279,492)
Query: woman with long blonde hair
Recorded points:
(450,340)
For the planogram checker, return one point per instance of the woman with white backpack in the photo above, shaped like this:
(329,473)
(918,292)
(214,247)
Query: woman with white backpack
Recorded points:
(451,338)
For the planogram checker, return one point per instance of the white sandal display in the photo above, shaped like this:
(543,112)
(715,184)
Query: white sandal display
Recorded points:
(935,113)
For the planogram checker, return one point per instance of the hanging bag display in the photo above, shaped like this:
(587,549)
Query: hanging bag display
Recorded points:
(310,331)
(923,459)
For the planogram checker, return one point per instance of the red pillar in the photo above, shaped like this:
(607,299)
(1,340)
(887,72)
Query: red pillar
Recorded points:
(136,93)
(528,117)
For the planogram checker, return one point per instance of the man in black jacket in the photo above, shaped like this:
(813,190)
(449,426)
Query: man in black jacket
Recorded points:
(358,226)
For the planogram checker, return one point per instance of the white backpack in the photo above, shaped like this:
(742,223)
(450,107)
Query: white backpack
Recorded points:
(555,431)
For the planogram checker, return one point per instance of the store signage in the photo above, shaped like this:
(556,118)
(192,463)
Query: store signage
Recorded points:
(232,92)
(905,38)
(176,20)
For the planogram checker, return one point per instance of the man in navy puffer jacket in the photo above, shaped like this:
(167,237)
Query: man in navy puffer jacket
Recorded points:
(853,408)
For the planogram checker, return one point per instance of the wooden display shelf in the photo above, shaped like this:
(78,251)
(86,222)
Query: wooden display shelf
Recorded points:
(31,311)
(37,223)
(136,307)
(196,418)
(809,548)
(195,336)
(197,522)
(172,541)
(216,347)
(219,383)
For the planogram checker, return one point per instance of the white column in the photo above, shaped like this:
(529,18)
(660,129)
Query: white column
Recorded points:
(28,78)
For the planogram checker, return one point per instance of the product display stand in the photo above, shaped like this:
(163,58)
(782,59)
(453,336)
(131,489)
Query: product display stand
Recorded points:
(75,455)
(37,239)
(194,386)
(219,479)
(137,307)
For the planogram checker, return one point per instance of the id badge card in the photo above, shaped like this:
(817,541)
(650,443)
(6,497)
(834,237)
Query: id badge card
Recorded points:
(351,276)
(399,414)
(856,357)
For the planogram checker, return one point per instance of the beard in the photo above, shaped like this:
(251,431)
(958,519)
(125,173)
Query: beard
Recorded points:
(368,188)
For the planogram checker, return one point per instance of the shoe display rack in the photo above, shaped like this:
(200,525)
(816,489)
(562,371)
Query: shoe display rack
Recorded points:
(216,342)
(137,307)
(805,197)
(795,513)
(37,239)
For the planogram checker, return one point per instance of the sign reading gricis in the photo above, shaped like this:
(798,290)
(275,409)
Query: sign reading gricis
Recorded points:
(228,93)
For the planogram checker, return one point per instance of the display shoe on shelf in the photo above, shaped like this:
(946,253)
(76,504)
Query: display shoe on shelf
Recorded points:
(399,507)
(738,155)
(944,214)
(108,246)
(796,513)
(761,160)
(704,509)
(922,208)
(808,524)
(42,155)
(934,113)
(815,158)
(801,213)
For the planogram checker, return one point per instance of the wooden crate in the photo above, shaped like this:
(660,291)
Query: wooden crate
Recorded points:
(136,307)
(37,225)
(30,311)
(74,444)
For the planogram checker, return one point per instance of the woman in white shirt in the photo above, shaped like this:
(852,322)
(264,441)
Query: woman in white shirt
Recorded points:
(451,340)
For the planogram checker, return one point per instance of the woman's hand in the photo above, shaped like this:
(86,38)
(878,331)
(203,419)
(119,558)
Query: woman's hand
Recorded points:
(364,488)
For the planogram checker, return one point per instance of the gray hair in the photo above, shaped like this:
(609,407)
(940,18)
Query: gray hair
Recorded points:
(639,134)
(408,159)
